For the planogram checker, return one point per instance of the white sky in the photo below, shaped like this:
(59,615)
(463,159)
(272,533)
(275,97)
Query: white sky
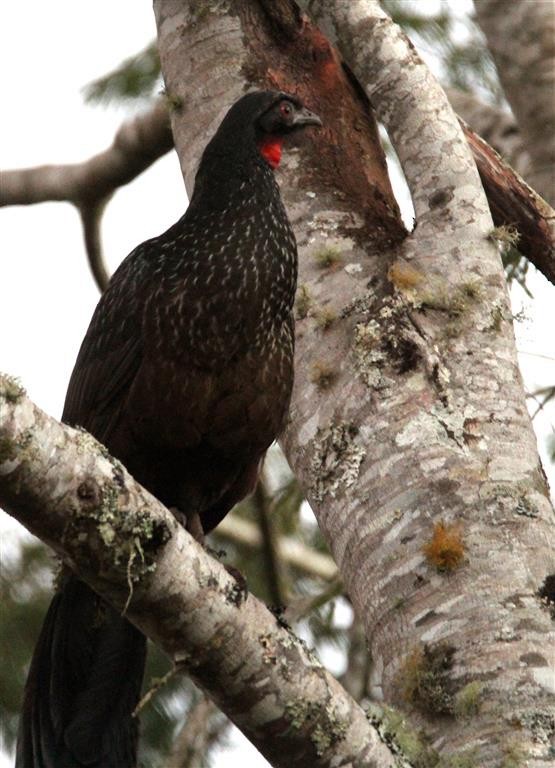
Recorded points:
(48,51)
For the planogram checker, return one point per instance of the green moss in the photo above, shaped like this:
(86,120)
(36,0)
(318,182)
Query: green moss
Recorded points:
(514,755)
(455,302)
(327,256)
(322,375)
(324,317)
(200,11)
(10,389)
(401,737)
(506,235)
(8,449)
(303,301)
(425,679)
(127,536)
(468,700)
(12,449)
(174,102)
(324,726)
(466,759)
(497,317)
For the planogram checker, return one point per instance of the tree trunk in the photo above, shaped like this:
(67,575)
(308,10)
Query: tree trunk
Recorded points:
(520,37)
(409,430)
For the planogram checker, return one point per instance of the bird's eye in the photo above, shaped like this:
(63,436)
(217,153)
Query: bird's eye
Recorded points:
(286,108)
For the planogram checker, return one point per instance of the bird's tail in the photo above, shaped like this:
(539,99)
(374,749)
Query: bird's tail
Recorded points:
(83,685)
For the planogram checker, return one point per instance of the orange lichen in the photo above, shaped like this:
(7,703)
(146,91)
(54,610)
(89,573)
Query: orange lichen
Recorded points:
(404,276)
(445,550)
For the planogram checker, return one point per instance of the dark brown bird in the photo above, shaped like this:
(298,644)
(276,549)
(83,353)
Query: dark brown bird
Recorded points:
(185,374)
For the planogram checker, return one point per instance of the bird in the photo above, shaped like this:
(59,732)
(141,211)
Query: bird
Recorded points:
(185,375)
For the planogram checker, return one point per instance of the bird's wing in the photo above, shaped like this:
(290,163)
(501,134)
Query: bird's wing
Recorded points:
(110,355)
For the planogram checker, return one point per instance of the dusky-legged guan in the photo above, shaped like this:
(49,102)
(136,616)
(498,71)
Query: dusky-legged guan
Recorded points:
(185,375)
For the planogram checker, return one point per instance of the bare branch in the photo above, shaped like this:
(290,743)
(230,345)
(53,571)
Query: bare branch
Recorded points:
(89,185)
(273,566)
(512,202)
(64,487)
(91,218)
(293,552)
(203,727)
(137,144)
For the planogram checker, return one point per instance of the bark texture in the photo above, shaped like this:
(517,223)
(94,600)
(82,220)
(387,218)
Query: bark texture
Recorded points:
(137,144)
(408,408)
(447,438)
(65,488)
(516,206)
(520,37)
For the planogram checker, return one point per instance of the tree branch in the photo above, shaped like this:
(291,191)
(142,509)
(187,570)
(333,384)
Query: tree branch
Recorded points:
(89,185)
(62,485)
(513,203)
(203,726)
(91,219)
(433,442)
(295,553)
(521,43)
(137,144)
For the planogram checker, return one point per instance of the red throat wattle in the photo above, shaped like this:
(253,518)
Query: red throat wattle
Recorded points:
(270,149)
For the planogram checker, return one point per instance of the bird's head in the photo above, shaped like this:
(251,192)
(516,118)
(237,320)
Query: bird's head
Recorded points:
(285,115)
(259,121)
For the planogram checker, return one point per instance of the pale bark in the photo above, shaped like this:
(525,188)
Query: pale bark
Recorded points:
(514,206)
(139,143)
(520,36)
(62,485)
(90,184)
(409,408)
(448,440)
(136,145)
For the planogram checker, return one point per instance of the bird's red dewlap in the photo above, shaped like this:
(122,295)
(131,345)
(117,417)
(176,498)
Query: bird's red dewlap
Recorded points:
(270,149)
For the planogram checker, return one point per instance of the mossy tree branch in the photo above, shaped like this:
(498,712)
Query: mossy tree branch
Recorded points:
(64,487)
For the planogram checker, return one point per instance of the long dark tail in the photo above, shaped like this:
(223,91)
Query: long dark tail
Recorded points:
(83,685)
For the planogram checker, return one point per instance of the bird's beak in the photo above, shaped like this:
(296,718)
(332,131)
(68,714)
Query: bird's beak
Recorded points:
(305,117)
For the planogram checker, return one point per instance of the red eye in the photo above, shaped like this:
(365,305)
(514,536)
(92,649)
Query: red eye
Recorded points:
(286,108)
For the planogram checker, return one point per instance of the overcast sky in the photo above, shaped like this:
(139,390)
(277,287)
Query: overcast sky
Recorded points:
(48,51)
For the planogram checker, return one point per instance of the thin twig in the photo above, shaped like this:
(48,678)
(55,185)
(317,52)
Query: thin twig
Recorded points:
(295,553)
(270,546)
(203,727)
(91,218)
(303,606)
